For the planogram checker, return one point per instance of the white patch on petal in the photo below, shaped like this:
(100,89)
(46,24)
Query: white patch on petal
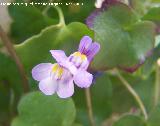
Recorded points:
(83,79)
(79,60)
(41,71)
(48,86)
(65,90)
(57,71)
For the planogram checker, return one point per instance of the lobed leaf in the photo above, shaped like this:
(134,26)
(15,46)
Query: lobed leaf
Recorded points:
(36,49)
(130,120)
(38,109)
(124,38)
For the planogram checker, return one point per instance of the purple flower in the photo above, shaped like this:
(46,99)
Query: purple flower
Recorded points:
(58,78)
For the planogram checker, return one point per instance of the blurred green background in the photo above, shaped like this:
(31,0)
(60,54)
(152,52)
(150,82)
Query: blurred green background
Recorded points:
(33,31)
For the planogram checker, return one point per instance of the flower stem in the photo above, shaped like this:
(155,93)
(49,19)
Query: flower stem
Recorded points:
(61,16)
(157,86)
(89,106)
(44,12)
(133,92)
(58,9)
(13,54)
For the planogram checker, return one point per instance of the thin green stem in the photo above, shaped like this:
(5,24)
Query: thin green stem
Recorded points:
(157,86)
(134,94)
(89,107)
(44,12)
(61,16)
(58,9)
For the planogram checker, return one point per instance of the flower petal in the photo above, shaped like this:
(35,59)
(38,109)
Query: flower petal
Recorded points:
(83,79)
(84,65)
(84,44)
(41,71)
(92,51)
(48,86)
(59,55)
(69,65)
(65,90)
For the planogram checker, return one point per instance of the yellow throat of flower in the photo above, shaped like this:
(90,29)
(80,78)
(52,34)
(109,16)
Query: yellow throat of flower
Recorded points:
(57,70)
(82,56)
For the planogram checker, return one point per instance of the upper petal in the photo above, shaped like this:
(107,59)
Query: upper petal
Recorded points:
(42,71)
(48,86)
(84,44)
(59,55)
(83,79)
(92,51)
(69,65)
(65,90)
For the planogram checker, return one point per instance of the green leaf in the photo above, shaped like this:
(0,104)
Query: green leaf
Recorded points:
(36,49)
(9,73)
(124,38)
(154,117)
(4,97)
(143,87)
(30,20)
(19,122)
(156,1)
(77,12)
(138,6)
(101,94)
(153,15)
(10,87)
(73,12)
(102,105)
(38,109)
(149,66)
(130,120)
(4,102)
(27,21)
(77,124)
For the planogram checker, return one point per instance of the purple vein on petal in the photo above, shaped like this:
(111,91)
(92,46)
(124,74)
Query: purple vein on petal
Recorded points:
(93,50)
